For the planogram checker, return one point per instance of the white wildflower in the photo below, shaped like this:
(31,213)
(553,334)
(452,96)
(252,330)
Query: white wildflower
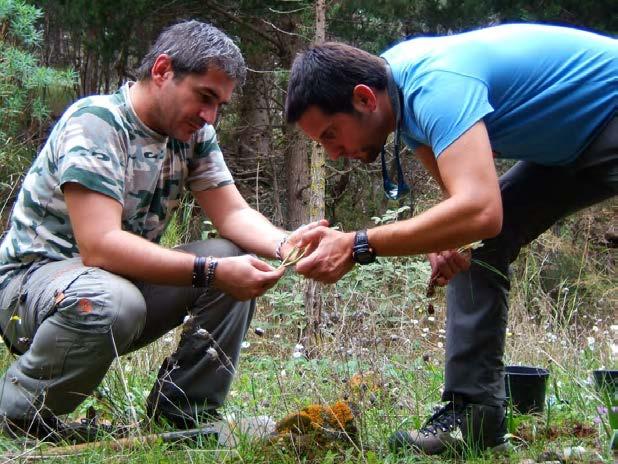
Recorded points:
(245,344)
(212,353)
(201,332)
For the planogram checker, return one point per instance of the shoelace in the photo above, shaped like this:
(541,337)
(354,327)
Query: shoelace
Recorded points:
(445,419)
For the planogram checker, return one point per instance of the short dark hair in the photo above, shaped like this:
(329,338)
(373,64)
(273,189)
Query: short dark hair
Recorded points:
(325,76)
(194,46)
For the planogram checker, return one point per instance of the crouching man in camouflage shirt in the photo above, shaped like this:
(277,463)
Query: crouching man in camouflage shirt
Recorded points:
(82,278)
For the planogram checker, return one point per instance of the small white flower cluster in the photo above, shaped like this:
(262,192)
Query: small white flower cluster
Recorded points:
(298,351)
(590,341)
(212,353)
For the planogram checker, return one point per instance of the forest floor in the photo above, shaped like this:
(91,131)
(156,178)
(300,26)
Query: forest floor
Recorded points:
(381,349)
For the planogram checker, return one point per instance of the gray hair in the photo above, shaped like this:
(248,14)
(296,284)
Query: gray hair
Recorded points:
(193,47)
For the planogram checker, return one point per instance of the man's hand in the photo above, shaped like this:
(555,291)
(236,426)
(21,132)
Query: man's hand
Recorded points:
(332,257)
(245,277)
(295,238)
(446,264)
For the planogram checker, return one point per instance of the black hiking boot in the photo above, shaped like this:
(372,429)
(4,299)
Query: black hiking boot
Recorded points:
(456,427)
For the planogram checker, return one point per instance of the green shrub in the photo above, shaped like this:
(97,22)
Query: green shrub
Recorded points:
(24,87)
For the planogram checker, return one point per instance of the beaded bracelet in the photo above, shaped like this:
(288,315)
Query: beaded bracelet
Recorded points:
(210,273)
(199,277)
(280,244)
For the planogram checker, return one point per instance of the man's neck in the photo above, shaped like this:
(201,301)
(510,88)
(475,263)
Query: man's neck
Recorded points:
(388,114)
(143,103)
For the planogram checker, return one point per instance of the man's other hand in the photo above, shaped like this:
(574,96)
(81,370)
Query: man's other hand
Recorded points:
(245,277)
(295,238)
(332,257)
(446,264)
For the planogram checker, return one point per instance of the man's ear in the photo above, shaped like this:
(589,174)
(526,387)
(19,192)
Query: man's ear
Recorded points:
(364,99)
(162,69)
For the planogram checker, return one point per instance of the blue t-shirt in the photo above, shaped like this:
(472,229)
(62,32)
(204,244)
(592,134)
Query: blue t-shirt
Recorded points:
(542,91)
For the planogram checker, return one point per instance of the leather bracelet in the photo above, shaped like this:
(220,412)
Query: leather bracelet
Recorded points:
(280,244)
(199,279)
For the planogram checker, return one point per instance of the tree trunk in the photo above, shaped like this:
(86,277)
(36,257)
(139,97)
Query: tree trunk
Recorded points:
(297,177)
(313,290)
(253,151)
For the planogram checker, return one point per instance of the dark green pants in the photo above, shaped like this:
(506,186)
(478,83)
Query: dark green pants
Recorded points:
(533,198)
(73,321)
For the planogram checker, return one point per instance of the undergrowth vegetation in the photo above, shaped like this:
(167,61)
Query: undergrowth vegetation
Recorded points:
(381,349)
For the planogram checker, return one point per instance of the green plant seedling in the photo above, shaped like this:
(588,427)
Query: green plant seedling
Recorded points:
(431,286)
(295,256)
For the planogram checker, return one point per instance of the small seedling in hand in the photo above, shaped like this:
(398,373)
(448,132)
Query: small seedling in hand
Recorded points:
(470,246)
(295,256)
(431,286)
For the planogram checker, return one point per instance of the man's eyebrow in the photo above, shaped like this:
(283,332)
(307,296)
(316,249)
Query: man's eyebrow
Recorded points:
(209,91)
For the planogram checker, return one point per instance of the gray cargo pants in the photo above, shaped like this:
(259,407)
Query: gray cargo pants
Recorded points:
(533,197)
(75,320)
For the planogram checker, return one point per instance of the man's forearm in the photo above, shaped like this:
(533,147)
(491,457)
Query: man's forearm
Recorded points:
(251,231)
(130,256)
(449,224)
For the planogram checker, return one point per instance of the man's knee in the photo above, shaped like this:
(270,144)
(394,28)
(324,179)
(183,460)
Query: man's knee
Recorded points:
(218,247)
(100,302)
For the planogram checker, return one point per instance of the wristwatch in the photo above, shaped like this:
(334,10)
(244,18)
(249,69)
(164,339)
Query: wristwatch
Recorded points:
(362,253)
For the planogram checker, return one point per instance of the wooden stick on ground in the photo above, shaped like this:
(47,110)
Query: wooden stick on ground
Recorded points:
(114,445)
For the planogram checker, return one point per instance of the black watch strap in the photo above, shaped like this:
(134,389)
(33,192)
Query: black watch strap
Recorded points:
(361,239)
(362,253)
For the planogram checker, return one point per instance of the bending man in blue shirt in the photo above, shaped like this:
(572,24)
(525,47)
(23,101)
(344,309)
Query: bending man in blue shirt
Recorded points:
(543,95)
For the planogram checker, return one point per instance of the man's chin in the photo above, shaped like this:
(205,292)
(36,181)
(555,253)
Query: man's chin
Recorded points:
(183,136)
(369,157)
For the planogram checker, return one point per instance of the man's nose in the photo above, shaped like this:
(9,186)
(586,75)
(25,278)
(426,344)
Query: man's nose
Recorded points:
(209,114)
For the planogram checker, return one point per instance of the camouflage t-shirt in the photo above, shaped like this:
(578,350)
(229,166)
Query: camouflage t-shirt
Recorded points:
(101,144)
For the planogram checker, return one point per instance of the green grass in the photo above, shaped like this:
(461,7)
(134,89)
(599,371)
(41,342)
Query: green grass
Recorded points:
(376,322)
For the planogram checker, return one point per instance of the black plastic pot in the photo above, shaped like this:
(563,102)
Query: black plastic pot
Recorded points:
(525,388)
(606,380)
